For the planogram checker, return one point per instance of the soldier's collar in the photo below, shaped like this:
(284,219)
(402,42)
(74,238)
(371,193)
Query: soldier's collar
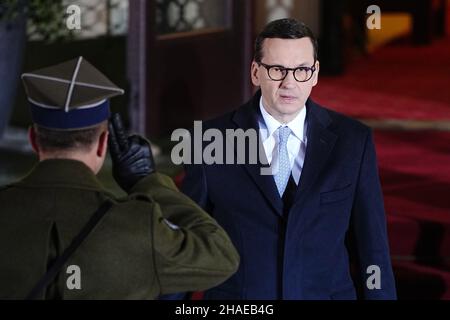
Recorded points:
(62,173)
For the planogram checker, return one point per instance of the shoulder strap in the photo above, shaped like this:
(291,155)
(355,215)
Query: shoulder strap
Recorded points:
(76,242)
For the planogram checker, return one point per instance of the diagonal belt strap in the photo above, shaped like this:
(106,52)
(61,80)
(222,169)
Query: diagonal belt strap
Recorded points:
(76,242)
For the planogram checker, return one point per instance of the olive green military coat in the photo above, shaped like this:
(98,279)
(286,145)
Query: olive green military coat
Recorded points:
(155,241)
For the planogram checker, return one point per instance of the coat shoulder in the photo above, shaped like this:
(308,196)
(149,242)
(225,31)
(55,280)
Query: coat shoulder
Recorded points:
(242,116)
(224,121)
(342,123)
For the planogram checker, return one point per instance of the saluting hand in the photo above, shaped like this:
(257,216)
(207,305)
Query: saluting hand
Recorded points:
(131,155)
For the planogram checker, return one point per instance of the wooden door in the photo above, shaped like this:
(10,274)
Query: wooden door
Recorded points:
(190,60)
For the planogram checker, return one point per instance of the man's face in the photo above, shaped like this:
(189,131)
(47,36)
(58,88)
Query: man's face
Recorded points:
(285,99)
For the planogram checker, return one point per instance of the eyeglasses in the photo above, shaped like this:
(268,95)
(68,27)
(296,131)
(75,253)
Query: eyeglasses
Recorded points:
(279,73)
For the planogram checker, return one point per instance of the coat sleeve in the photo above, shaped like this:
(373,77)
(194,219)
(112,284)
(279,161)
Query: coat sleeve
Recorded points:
(191,251)
(369,223)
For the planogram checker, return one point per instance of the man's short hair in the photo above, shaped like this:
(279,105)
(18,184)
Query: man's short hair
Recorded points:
(284,29)
(50,140)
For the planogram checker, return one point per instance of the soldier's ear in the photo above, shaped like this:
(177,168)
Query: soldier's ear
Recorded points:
(102,144)
(32,139)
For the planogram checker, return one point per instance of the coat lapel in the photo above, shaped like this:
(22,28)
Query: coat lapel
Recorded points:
(246,118)
(319,146)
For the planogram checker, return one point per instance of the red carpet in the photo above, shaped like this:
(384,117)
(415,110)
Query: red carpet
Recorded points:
(421,282)
(415,173)
(395,82)
(414,169)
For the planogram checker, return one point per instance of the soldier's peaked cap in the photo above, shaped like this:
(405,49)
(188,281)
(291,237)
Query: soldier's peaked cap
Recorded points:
(69,96)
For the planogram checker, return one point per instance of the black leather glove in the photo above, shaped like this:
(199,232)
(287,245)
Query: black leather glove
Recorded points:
(131,156)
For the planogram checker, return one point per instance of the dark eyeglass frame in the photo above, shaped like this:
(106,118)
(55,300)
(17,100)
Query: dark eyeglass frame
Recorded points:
(268,67)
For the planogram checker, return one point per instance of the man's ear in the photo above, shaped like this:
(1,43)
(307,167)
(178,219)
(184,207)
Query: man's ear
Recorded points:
(254,74)
(102,144)
(32,139)
(316,74)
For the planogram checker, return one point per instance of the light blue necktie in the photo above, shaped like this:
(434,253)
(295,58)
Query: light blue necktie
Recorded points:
(284,166)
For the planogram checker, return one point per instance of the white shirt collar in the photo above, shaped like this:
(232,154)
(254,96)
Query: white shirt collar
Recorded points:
(296,125)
